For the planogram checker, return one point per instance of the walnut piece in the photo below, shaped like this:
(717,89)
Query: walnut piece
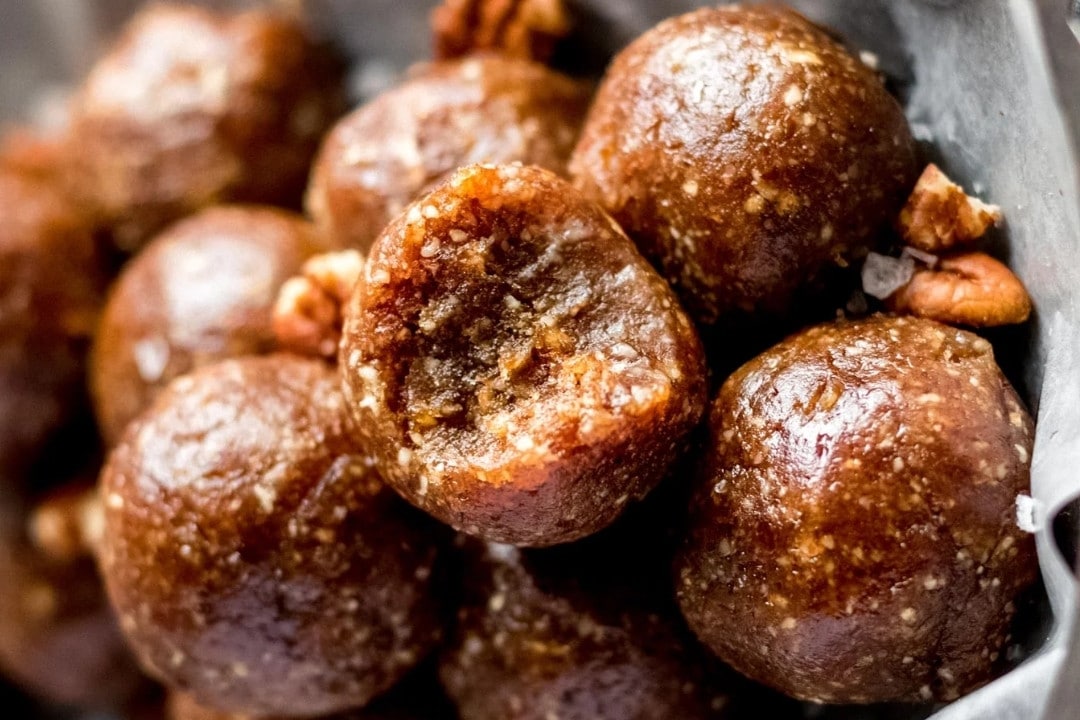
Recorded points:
(68,525)
(939,214)
(308,311)
(970,289)
(527,29)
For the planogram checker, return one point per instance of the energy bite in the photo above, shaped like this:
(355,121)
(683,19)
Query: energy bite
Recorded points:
(482,109)
(745,152)
(854,537)
(191,107)
(517,368)
(560,633)
(202,291)
(58,636)
(254,558)
(50,294)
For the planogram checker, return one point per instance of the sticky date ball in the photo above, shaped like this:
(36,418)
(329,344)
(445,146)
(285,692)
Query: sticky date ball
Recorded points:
(745,152)
(568,633)
(191,107)
(518,369)
(50,293)
(387,153)
(201,291)
(254,558)
(58,636)
(855,538)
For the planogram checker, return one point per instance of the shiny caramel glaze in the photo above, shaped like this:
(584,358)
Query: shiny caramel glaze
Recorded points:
(50,293)
(254,558)
(518,369)
(854,535)
(578,632)
(745,152)
(387,153)
(191,107)
(201,291)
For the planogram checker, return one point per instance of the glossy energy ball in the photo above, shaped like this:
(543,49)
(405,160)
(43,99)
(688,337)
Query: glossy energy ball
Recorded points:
(518,369)
(744,151)
(448,114)
(192,107)
(50,294)
(855,537)
(254,559)
(201,291)
(576,632)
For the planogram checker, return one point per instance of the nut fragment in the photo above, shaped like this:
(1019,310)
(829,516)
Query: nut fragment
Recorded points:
(307,314)
(939,214)
(967,289)
(68,525)
(526,29)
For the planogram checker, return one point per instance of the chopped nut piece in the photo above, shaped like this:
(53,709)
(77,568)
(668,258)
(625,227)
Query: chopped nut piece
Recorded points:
(526,29)
(307,315)
(939,214)
(967,289)
(68,526)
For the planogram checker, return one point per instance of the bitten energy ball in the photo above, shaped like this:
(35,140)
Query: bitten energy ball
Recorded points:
(560,633)
(202,291)
(50,294)
(253,557)
(518,369)
(744,151)
(482,109)
(854,537)
(191,107)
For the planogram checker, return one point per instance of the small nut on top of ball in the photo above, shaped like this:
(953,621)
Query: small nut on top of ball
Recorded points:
(252,554)
(745,152)
(854,538)
(518,369)
(192,107)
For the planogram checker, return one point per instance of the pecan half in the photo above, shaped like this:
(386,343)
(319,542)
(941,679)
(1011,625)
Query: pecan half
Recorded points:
(527,29)
(967,289)
(308,311)
(939,214)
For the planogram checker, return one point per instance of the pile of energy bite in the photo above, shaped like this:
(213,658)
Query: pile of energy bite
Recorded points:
(471,423)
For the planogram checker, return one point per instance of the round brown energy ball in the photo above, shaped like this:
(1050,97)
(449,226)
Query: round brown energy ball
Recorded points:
(855,538)
(745,152)
(518,369)
(50,294)
(387,153)
(570,633)
(254,559)
(202,291)
(192,107)
(58,636)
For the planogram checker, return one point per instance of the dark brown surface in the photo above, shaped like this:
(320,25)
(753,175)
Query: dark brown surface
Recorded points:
(854,535)
(387,153)
(516,366)
(417,697)
(254,559)
(58,636)
(201,291)
(50,294)
(745,152)
(191,107)
(577,632)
